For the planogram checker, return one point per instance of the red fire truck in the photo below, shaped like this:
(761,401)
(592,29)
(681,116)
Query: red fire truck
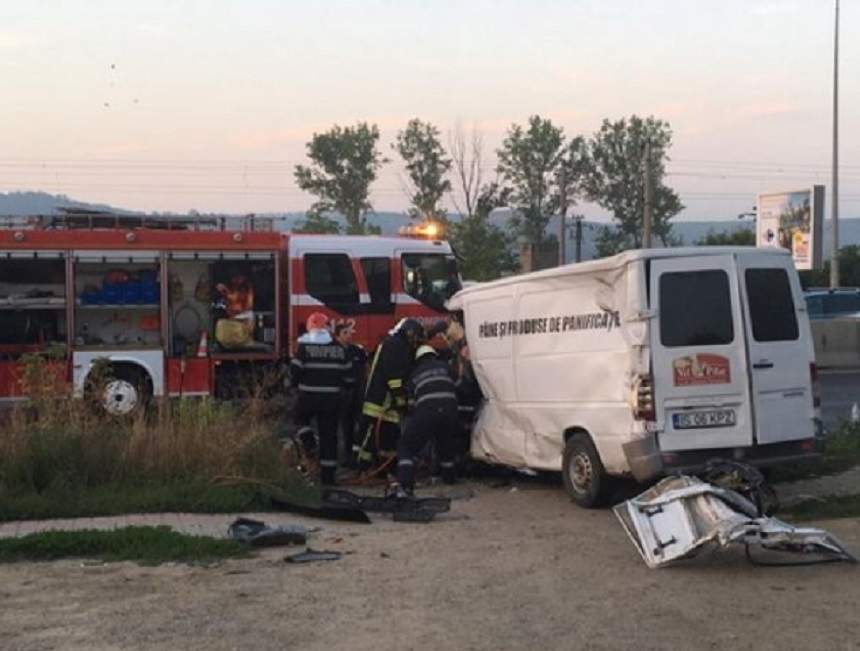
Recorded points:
(183,311)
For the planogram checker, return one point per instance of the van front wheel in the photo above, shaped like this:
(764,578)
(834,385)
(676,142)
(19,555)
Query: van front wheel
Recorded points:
(584,477)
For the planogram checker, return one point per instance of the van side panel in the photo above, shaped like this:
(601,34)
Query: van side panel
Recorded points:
(552,355)
(499,438)
(572,372)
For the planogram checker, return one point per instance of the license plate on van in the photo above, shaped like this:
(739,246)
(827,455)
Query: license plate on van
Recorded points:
(702,419)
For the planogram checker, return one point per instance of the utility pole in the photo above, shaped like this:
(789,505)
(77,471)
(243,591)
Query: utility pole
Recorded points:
(834,206)
(648,217)
(562,210)
(578,251)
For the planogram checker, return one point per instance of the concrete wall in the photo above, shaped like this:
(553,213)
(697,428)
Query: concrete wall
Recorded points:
(837,342)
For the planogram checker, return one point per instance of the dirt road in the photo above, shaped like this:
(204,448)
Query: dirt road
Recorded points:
(509,570)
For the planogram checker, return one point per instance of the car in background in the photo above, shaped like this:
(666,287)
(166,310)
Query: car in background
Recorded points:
(832,303)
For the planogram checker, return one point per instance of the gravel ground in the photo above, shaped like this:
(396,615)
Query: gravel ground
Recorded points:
(841,484)
(505,570)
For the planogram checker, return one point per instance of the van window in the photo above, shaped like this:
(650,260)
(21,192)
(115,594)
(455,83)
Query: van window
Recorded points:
(330,279)
(695,309)
(377,274)
(771,305)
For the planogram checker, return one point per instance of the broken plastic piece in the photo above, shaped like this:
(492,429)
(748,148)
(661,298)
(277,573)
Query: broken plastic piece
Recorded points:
(404,509)
(682,515)
(326,511)
(312,555)
(259,534)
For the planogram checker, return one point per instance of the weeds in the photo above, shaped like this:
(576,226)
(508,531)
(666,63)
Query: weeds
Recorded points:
(148,545)
(55,445)
(841,452)
(829,507)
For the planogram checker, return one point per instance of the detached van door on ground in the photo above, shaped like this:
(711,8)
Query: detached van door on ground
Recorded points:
(701,380)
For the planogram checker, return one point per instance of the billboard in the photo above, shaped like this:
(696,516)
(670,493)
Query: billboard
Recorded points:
(793,221)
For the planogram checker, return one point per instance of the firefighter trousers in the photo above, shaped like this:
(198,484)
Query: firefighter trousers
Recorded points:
(325,413)
(425,424)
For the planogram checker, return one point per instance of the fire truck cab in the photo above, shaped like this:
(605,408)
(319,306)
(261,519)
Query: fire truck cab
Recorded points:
(186,312)
(369,283)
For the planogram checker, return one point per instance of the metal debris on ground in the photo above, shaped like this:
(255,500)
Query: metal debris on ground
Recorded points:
(325,511)
(402,509)
(312,555)
(259,534)
(744,479)
(681,516)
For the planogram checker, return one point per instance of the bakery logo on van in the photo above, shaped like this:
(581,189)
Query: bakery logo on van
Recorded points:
(701,369)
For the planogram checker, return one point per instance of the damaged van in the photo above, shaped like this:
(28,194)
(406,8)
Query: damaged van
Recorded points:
(644,363)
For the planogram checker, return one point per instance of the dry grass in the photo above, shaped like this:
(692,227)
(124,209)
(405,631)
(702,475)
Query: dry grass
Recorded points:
(56,442)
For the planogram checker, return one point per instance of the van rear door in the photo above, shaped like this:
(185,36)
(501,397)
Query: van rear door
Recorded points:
(699,363)
(780,353)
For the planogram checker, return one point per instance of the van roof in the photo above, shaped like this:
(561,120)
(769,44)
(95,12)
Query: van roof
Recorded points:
(621,260)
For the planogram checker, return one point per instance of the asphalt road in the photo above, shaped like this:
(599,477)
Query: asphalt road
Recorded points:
(839,391)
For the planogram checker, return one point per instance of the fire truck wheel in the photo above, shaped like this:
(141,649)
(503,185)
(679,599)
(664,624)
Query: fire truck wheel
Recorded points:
(584,477)
(126,393)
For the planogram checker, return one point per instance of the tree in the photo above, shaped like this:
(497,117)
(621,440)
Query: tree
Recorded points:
(615,180)
(427,166)
(344,164)
(849,270)
(743,237)
(318,223)
(528,161)
(485,250)
(569,175)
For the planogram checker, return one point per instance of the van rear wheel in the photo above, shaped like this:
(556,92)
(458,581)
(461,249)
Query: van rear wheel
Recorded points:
(582,471)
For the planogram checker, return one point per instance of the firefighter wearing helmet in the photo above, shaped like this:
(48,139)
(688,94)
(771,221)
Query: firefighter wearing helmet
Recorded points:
(385,397)
(319,370)
(433,416)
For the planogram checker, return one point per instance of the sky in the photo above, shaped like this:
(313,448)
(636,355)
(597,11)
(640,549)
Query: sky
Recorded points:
(208,105)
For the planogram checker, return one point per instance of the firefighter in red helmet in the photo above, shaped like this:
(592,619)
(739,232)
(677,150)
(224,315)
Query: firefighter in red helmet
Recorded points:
(320,370)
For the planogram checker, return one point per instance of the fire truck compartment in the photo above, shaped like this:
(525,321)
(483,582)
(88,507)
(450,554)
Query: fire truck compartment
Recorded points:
(32,302)
(230,298)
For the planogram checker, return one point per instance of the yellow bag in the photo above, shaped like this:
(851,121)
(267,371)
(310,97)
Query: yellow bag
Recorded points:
(234,333)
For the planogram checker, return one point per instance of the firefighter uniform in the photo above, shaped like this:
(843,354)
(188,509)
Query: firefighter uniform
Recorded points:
(354,395)
(433,416)
(385,397)
(320,371)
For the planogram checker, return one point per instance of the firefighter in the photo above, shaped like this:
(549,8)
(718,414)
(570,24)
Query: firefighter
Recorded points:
(320,371)
(385,397)
(354,393)
(433,416)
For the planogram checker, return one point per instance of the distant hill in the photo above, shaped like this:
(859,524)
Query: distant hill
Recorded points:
(690,232)
(41,203)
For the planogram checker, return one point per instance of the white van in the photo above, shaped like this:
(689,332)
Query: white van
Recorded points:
(643,363)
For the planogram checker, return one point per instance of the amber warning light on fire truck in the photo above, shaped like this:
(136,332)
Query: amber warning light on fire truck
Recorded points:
(428,230)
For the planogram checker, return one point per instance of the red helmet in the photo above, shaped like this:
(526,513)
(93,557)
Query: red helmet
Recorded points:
(317,321)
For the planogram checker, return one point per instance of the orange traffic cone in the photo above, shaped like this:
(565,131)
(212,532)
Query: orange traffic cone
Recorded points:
(203,346)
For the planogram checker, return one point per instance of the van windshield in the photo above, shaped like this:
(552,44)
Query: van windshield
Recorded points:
(695,309)
(431,278)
